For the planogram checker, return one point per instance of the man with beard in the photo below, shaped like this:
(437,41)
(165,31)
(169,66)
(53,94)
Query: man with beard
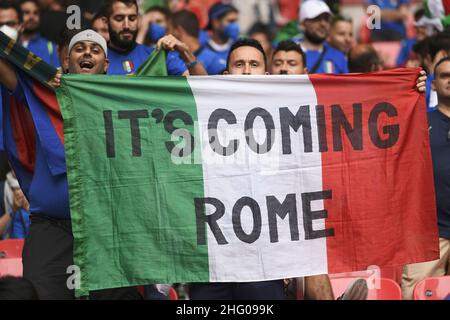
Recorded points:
(30,37)
(315,20)
(48,250)
(126,55)
(439,132)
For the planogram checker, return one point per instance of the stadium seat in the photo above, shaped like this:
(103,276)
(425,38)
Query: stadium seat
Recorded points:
(173,294)
(433,288)
(382,289)
(11,248)
(11,258)
(11,267)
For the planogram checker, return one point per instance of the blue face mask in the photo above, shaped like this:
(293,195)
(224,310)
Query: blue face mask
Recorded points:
(156,32)
(231,31)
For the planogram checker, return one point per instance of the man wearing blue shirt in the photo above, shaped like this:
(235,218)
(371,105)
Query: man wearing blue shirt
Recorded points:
(30,37)
(394,13)
(439,130)
(48,249)
(315,20)
(126,55)
(223,23)
(186,28)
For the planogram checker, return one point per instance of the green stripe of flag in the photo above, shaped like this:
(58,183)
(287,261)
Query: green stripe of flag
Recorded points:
(24,59)
(127,188)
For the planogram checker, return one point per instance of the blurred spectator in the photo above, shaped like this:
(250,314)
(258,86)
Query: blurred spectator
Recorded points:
(289,31)
(12,288)
(63,46)
(223,23)
(315,20)
(341,34)
(439,132)
(363,58)
(54,18)
(30,37)
(90,7)
(17,208)
(186,28)
(255,11)
(438,48)
(9,19)
(394,14)
(261,33)
(419,55)
(100,25)
(422,31)
(155,24)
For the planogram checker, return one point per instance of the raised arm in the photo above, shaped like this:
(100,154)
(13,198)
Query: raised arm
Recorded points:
(169,42)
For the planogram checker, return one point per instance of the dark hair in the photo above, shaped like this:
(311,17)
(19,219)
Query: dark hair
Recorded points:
(21,2)
(12,288)
(247,42)
(362,58)
(419,14)
(188,21)
(422,47)
(218,11)
(338,18)
(101,13)
(65,36)
(259,27)
(289,45)
(164,11)
(109,6)
(438,42)
(5,5)
(446,59)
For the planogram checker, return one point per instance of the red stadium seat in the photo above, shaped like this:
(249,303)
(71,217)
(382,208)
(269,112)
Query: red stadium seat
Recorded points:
(381,289)
(11,248)
(11,267)
(173,294)
(11,258)
(433,288)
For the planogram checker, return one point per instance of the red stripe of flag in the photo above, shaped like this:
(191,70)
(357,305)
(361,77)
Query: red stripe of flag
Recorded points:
(49,100)
(23,133)
(383,207)
(446,7)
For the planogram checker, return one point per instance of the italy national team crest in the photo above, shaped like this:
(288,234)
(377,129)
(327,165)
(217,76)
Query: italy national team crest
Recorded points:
(128,66)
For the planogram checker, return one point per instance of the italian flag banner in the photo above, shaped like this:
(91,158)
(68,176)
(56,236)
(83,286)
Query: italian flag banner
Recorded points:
(246,178)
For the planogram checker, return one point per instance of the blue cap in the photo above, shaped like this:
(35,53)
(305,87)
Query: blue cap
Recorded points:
(219,10)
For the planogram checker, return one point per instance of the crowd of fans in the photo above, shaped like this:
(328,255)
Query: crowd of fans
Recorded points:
(205,37)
